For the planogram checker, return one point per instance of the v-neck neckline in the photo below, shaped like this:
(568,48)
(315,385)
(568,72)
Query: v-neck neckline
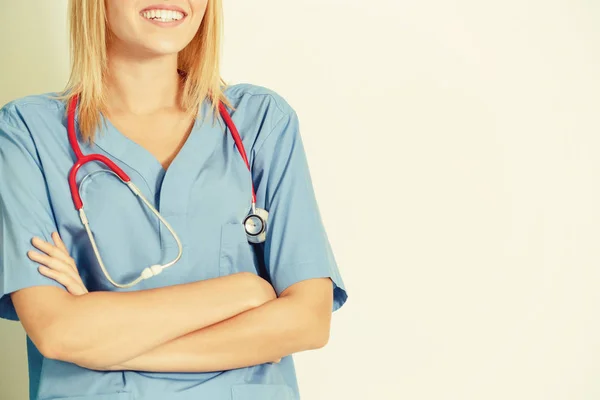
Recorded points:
(132,143)
(192,155)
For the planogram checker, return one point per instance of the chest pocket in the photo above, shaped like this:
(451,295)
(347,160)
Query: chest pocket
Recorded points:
(237,254)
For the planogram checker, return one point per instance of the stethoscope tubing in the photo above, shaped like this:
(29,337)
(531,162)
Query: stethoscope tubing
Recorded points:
(113,168)
(84,159)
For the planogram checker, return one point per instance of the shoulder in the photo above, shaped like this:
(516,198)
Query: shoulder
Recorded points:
(32,123)
(20,113)
(250,95)
(260,110)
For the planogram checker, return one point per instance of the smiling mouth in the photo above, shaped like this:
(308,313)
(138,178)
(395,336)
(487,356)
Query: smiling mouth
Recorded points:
(163,15)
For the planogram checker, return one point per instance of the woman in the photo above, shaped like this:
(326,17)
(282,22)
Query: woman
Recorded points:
(221,321)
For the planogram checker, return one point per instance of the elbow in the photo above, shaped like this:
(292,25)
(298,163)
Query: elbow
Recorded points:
(318,333)
(311,314)
(308,333)
(47,348)
(319,338)
(315,327)
(58,345)
(86,359)
(59,350)
(49,339)
(52,347)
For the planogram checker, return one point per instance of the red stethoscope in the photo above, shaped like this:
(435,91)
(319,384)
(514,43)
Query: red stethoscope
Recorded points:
(255,223)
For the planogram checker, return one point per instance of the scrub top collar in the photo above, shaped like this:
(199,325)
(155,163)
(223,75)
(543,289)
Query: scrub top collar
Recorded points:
(188,163)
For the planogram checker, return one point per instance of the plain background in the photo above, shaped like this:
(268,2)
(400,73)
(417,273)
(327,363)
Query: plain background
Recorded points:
(454,152)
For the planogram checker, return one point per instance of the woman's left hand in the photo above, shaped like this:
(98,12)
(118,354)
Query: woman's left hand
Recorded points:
(57,264)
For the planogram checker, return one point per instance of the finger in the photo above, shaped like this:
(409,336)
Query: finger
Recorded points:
(59,243)
(56,264)
(49,249)
(61,246)
(53,251)
(68,282)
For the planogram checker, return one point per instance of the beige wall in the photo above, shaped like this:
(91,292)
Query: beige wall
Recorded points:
(34,58)
(454,150)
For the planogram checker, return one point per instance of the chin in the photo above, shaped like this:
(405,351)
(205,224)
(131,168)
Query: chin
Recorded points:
(163,48)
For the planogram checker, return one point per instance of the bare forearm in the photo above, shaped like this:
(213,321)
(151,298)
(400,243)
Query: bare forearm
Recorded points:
(106,328)
(276,329)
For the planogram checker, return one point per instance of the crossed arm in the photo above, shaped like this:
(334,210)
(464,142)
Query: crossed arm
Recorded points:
(298,320)
(222,323)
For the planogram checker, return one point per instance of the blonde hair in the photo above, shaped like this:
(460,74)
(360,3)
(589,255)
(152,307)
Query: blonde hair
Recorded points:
(199,61)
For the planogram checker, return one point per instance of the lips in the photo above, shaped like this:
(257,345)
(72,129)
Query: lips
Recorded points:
(163,15)
(169,7)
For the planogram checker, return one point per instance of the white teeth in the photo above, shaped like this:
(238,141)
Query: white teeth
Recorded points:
(163,15)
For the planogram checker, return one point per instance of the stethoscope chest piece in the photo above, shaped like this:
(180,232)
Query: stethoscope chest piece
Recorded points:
(255,225)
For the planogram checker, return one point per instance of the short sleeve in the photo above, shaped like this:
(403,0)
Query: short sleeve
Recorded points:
(25,212)
(296,247)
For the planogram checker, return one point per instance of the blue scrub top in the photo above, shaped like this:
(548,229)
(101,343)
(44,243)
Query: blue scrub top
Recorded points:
(205,195)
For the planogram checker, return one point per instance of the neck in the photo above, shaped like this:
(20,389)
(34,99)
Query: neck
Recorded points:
(141,86)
